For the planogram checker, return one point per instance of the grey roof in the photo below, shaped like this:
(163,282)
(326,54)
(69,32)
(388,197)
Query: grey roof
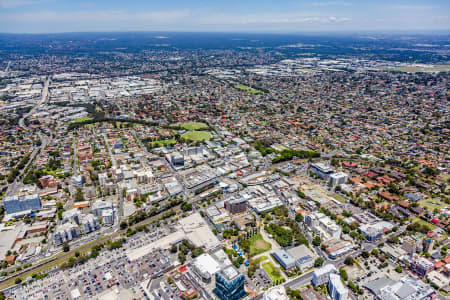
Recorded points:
(376,285)
(405,291)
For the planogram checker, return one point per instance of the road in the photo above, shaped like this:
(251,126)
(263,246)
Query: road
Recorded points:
(14,186)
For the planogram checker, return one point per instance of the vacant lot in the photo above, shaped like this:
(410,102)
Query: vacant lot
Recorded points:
(194,126)
(258,245)
(273,272)
(196,135)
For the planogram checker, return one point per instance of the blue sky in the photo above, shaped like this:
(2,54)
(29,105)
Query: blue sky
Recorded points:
(288,16)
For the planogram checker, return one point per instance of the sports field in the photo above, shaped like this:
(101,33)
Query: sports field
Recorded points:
(248,89)
(197,135)
(258,245)
(194,126)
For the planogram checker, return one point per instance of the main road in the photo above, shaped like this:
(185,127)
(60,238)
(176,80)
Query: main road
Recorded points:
(12,189)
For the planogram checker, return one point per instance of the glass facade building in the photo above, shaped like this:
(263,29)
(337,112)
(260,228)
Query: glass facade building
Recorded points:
(16,203)
(230,284)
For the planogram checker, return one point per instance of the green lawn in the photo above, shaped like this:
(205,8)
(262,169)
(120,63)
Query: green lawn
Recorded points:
(258,245)
(431,204)
(194,126)
(79,120)
(197,135)
(248,89)
(163,143)
(419,220)
(273,272)
(339,198)
(259,259)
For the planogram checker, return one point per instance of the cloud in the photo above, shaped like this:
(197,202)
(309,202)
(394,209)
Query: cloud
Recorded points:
(270,19)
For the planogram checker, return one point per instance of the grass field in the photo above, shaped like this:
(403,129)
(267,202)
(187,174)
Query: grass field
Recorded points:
(339,198)
(197,135)
(431,204)
(194,126)
(248,89)
(419,220)
(79,120)
(273,272)
(428,68)
(259,259)
(258,245)
(163,143)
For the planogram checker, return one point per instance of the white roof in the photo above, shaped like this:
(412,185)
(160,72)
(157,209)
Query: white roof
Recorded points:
(206,264)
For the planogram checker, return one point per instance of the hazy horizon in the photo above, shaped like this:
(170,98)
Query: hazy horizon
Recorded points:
(264,16)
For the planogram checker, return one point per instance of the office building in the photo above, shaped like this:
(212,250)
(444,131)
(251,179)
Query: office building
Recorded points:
(336,289)
(421,266)
(286,260)
(230,284)
(322,275)
(236,206)
(19,203)
(338,178)
(321,170)
(77,181)
(276,293)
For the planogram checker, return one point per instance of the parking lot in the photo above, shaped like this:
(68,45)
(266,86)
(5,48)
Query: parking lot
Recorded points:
(111,270)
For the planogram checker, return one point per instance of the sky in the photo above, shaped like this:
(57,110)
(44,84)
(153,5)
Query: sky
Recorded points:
(282,16)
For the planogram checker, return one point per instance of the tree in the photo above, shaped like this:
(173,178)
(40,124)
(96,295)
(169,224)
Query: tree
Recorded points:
(365,254)
(349,261)
(18,280)
(317,241)
(398,269)
(66,247)
(123,225)
(343,274)
(299,217)
(318,262)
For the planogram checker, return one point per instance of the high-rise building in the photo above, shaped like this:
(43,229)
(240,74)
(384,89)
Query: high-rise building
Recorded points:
(322,275)
(337,290)
(230,284)
(236,206)
(20,203)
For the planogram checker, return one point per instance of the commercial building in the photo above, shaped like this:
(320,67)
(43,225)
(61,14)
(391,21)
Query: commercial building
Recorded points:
(421,265)
(321,170)
(304,258)
(99,207)
(276,293)
(286,260)
(322,275)
(237,206)
(374,232)
(323,226)
(406,288)
(77,181)
(337,290)
(177,159)
(338,178)
(230,284)
(20,203)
